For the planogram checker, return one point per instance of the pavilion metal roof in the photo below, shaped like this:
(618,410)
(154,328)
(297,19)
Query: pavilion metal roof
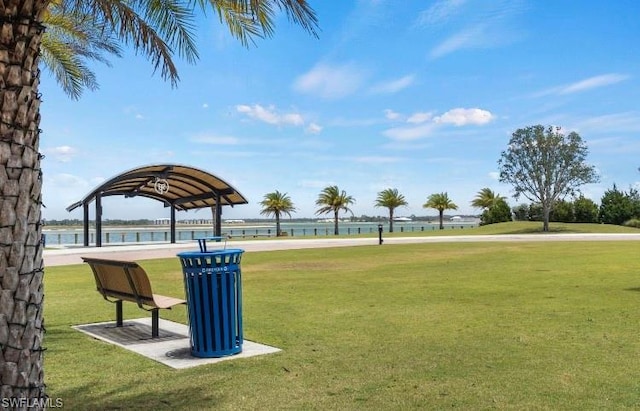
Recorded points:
(186,188)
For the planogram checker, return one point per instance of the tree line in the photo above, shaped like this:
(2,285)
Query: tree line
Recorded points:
(616,207)
(543,164)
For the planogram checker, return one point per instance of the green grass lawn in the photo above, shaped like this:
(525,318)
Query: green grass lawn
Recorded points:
(516,227)
(422,326)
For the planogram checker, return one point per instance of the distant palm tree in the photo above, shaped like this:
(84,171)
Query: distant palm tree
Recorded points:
(441,202)
(486,198)
(391,199)
(276,204)
(331,199)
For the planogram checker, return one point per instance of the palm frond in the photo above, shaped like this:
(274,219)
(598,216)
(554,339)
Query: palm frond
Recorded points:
(152,27)
(247,19)
(69,71)
(301,13)
(240,20)
(174,20)
(72,40)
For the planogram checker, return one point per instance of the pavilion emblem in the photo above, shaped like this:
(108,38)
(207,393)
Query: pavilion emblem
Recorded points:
(161,186)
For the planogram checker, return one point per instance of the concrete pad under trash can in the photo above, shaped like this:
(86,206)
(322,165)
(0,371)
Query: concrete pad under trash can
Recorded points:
(171,348)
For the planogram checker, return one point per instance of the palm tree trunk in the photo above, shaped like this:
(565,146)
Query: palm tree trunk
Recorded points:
(391,220)
(441,212)
(21,268)
(278,233)
(335,223)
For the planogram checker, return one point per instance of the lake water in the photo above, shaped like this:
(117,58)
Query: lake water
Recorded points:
(120,235)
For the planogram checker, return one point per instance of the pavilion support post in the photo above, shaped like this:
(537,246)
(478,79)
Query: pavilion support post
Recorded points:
(173,223)
(85,224)
(217,217)
(98,220)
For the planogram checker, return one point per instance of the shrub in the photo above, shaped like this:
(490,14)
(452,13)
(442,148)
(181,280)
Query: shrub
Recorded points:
(521,212)
(499,212)
(562,212)
(616,206)
(585,210)
(634,222)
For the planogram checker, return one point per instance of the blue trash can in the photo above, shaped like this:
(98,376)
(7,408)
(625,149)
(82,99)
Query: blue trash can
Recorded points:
(213,286)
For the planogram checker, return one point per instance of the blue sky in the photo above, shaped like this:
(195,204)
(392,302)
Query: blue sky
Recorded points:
(421,96)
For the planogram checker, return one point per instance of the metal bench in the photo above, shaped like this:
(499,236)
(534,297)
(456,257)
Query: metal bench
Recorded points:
(119,281)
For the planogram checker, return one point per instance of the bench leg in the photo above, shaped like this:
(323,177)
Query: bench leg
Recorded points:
(155,323)
(119,313)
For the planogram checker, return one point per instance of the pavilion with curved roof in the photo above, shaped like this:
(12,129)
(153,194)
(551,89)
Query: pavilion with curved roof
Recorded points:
(179,187)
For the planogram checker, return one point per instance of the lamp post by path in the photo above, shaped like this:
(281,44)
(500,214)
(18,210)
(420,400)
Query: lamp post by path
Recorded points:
(380,234)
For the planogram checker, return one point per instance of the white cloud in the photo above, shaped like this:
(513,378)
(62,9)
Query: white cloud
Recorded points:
(593,82)
(393,86)
(391,115)
(425,123)
(494,175)
(420,117)
(270,115)
(487,24)
(465,116)
(330,82)
(313,128)
(440,11)
(63,154)
(294,119)
(468,38)
(218,140)
(205,106)
(584,85)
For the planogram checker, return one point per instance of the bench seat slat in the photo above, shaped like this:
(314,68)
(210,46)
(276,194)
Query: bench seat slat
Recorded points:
(162,301)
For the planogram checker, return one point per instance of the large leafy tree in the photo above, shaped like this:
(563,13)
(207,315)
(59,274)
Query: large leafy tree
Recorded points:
(333,200)
(545,165)
(158,30)
(390,199)
(441,202)
(277,204)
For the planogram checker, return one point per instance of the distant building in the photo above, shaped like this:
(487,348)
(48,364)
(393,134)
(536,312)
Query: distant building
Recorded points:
(162,221)
(197,221)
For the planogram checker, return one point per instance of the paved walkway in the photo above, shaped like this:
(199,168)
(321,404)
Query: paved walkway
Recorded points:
(72,255)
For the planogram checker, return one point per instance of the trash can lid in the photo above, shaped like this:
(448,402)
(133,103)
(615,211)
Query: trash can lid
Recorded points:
(210,253)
